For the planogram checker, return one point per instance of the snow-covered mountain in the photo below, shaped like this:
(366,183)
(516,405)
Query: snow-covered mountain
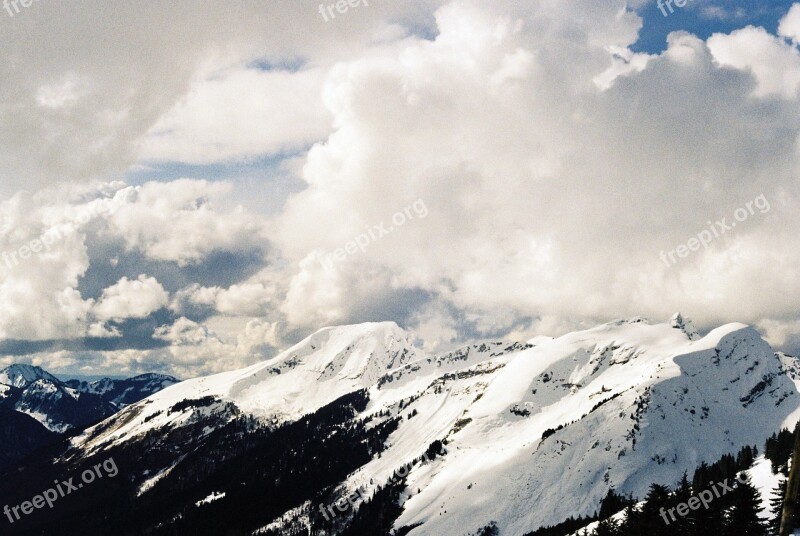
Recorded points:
(124,392)
(60,408)
(327,365)
(63,406)
(515,435)
(22,375)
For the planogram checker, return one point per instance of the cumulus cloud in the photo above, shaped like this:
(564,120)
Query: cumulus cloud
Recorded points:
(52,239)
(43,257)
(194,347)
(550,193)
(179,221)
(555,162)
(245,113)
(245,299)
(131,299)
(72,111)
(183,332)
(790,24)
(774,63)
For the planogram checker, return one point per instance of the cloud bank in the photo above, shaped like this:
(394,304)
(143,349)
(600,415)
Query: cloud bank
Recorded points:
(556,165)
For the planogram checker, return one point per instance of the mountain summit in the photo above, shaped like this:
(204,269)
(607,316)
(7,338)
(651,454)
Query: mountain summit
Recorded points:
(685,325)
(21,376)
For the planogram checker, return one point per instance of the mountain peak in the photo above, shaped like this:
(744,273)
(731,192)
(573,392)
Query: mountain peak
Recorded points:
(22,375)
(678,321)
(362,351)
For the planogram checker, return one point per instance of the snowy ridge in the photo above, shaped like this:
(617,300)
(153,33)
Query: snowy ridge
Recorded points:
(124,392)
(636,404)
(685,325)
(325,366)
(23,375)
(63,406)
(553,423)
(60,408)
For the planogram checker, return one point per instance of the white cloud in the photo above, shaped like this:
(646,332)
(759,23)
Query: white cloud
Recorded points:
(624,61)
(548,195)
(790,25)
(194,348)
(61,95)
(45,252)
(240,114)
(131,299)
(54,131)
(179,221)
(248,299)
(774,63)
(554,161)
(259,295)
(721,13)
(436,327)
(183,332)
(779,332)
(38,289)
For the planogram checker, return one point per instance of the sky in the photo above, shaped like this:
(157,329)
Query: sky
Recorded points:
(192,187)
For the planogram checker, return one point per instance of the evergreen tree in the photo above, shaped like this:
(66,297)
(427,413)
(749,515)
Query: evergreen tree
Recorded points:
(684,489)
(776,508)
(711,520)
(701,476)
(745,458)
(742,519)
(607,527)
(683,492)
(658,498)
(634,522)
(778,450)
(612,503)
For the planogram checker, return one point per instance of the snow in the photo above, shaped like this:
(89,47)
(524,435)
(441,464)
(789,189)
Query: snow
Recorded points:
(45,420)
(214,496)
(148,484)
(765,482)
(685,325)
(327,365)
(22,375)
(761,476)
(637,403)
(619,517)
(504,457)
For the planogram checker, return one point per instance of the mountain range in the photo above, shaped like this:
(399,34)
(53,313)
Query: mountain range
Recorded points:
(36,408)
(355,430)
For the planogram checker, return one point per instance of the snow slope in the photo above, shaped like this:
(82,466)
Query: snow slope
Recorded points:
(127,391)
(535,432)
(760,475)
(24,375)
(638,404)
(325,366)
